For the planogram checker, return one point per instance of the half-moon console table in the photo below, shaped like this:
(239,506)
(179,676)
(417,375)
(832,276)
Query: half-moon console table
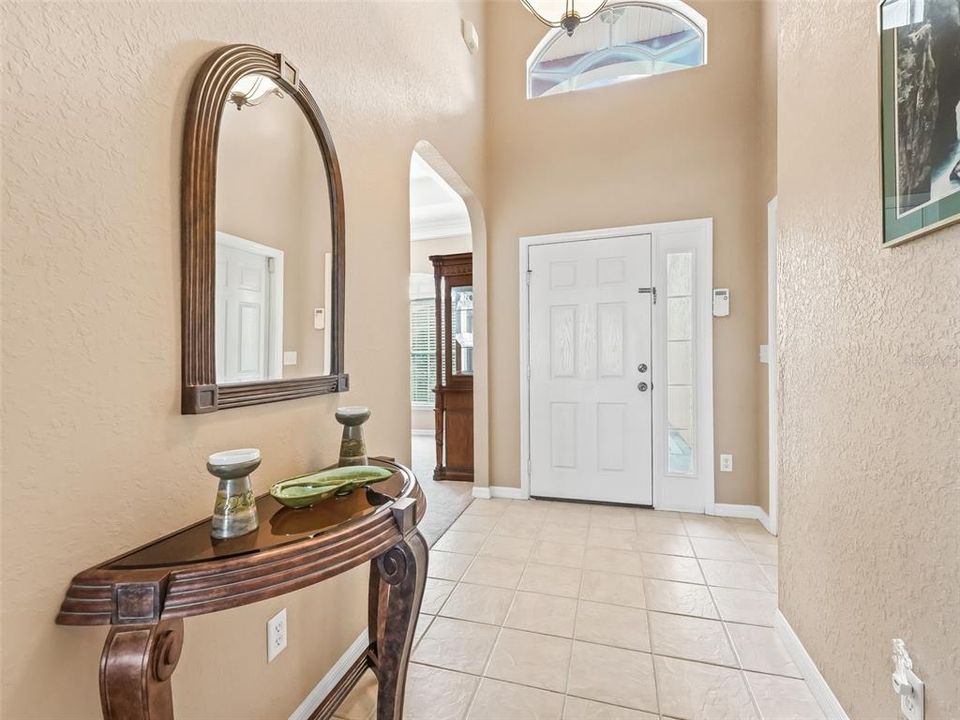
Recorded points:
(145,594)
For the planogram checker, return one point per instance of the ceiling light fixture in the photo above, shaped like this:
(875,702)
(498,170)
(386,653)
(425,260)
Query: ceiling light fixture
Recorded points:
(251,90)
(566,14)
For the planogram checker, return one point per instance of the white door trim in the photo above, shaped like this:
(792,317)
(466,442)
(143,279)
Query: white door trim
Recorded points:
(677,237)
(773,493)
(275,295)
(704,290)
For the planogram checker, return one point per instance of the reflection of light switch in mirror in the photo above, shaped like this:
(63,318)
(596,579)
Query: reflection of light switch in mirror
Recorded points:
(290,357)
(721,302)
(319,319)
(470,37)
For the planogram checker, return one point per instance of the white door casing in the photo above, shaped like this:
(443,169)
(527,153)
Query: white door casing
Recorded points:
(691,491)
(773,498)
(590,335)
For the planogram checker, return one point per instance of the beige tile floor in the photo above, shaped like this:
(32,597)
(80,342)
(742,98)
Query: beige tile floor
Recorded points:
(562,611)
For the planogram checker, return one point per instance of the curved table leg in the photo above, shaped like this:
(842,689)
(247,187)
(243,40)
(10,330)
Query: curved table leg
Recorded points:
(135,670)
(397,579)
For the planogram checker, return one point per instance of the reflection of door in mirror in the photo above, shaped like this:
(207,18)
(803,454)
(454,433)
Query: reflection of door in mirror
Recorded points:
(249,313)
(274,240)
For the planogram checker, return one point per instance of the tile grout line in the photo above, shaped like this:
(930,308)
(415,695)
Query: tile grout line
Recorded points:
(576,620)
(718,618)
(483,674)
(530,687)
(653,658)
(736,654)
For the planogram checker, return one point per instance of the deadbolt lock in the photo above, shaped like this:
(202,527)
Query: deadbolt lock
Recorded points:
(642,367)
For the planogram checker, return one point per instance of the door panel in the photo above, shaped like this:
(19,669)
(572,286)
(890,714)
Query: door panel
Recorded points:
(590,425)
(242,322)
(611,438)
(611,319)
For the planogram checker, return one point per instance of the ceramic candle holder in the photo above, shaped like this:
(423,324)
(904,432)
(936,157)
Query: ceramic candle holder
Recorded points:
(353,449)
(235,511)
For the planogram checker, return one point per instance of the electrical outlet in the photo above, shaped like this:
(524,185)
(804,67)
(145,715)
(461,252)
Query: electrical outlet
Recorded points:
(276,634)
(726,463)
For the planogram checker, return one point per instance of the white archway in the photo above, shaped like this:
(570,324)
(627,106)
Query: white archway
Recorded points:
(478,231)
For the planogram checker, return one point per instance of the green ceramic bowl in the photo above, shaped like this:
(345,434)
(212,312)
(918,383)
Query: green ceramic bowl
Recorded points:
(307,490)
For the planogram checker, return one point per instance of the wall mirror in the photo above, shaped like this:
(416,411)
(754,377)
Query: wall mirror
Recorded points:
(263,238)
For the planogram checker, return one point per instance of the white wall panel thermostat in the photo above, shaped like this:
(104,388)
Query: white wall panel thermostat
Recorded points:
(721,302)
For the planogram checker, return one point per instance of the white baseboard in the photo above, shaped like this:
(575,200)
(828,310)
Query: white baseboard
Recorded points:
(691,509)
(495,491)
(767,523)
(750,512)
(329,681)
(808,668)
(508,493)
(753,512)
(422,432)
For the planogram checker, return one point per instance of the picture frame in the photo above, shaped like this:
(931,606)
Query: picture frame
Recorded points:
(919,116)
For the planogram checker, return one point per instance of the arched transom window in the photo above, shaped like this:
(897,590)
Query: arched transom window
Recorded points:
(625,41)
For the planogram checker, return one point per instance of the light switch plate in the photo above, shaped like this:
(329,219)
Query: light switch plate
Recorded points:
(906,684)
(765,354)
(319,318)
(290,357)
(911,706)
(726,463)
(276,634)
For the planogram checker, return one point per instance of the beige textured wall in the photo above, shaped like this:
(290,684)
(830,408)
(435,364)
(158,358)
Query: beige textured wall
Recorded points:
(96,456)
(673,147)
(869,426)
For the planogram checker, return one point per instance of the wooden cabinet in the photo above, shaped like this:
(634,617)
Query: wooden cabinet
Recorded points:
(453,412)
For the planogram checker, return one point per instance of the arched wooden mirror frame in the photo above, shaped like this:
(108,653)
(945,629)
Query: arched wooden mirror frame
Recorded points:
(211,88)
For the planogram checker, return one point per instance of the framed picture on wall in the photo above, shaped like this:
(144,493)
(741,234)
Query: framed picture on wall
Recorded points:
(920,116)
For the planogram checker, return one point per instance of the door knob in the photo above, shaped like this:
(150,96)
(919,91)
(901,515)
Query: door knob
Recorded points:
(642,387)
(642,367)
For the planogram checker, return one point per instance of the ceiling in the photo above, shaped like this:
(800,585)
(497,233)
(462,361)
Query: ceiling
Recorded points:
(436,210)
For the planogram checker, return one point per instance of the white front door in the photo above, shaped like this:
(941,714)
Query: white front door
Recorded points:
(590,370)
(242,317)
